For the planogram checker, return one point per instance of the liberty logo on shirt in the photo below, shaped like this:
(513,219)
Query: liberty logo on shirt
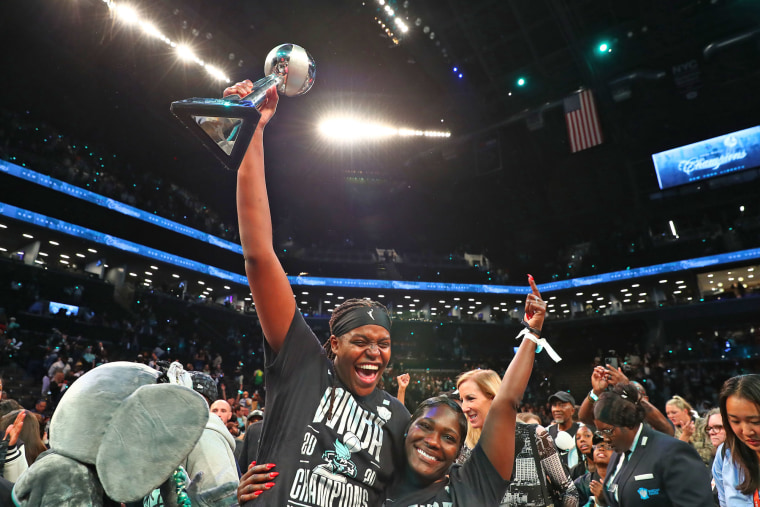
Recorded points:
(339,460)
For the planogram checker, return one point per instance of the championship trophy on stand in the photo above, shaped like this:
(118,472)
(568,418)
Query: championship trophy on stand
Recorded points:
(225,126)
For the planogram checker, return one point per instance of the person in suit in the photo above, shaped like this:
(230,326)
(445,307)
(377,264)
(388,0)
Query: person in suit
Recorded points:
(648,468)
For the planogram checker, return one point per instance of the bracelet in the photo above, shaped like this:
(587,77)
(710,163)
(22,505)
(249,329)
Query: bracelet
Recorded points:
(533,330)
(541,344)
(592,396)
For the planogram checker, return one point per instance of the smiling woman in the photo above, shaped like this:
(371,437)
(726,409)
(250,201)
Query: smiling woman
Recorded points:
(328,427)
(542,471)
(437,433)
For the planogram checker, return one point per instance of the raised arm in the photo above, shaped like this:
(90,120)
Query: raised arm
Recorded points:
(599,383)
(501,418)
(600,379)
(657,419)
(269,285)
(403,383)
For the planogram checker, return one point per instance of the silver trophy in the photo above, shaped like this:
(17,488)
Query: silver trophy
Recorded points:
(225,126)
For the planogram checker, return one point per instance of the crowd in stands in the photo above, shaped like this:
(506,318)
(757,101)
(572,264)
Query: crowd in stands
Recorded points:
(41,147)
(680,377)
(683,370)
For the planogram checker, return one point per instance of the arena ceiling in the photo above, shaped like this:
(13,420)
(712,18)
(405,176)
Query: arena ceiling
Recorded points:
(677,72)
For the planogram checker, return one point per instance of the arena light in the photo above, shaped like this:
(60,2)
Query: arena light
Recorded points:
(185,53)
(401,25)
(130,16)
(126,13)
(152,30)
(347,129)
(216,73)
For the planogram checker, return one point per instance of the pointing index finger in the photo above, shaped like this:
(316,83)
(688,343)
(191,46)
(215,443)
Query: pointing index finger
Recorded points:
(533,286)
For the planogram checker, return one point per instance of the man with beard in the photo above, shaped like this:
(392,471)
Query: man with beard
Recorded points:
(563,408)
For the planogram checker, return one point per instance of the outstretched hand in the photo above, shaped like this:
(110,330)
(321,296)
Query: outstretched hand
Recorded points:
(13,431)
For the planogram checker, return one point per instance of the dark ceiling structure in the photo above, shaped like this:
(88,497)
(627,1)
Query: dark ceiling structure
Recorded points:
(504,184)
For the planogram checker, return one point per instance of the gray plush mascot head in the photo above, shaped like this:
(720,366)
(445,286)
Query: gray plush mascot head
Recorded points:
(118,431)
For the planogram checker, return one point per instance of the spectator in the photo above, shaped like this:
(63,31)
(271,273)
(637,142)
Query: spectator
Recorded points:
(563,408)
(56,389)
(689,427)
(584,446)
(40,411)
(715,430)
(214,453)
(222,409)
(736,469)
(8,406)
(12,453)
(61,363)
(247,452)
(589,485)
(28,434)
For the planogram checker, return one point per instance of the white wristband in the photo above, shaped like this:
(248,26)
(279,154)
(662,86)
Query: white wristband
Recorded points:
(541,344)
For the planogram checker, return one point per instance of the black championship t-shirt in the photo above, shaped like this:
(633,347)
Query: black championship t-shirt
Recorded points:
(346,460)
(476,483)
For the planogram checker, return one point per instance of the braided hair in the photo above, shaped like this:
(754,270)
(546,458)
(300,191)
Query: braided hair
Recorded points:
(620,407)
(337,316)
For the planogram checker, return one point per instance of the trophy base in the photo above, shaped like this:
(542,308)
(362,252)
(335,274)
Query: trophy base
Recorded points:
(225,127)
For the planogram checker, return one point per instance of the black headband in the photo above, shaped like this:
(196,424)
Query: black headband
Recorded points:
(362,316)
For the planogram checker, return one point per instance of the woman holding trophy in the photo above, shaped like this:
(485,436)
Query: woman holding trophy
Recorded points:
(335,438)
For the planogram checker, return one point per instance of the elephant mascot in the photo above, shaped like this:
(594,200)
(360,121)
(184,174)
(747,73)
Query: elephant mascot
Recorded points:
(119,432)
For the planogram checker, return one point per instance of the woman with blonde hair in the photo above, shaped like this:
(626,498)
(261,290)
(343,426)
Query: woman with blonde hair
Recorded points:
(477,389)
(690,428)
(478,400)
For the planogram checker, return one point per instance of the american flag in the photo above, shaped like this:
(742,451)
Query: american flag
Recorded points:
(582,121)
